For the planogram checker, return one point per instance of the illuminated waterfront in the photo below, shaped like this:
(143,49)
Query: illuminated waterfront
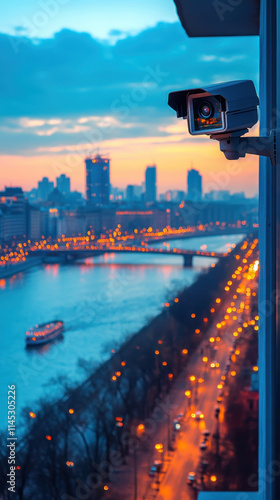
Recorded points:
(100,301)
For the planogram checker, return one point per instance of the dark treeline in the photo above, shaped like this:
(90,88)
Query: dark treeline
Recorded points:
(70,447)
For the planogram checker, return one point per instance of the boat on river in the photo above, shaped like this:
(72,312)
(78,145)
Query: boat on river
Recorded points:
(45,332)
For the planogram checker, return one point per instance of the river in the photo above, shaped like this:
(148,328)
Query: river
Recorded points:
(101,301)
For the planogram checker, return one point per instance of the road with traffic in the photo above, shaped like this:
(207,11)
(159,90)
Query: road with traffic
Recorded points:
(206,376)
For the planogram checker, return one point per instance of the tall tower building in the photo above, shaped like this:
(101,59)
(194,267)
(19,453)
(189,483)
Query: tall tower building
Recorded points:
(63,184)
(98,180)
(45,187)
(194,185)
(151,184)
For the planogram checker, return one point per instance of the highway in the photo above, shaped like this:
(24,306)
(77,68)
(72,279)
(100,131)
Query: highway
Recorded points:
(188,455)
(171,483)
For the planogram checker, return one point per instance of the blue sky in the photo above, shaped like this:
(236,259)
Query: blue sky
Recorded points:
(78,84)
(98,17)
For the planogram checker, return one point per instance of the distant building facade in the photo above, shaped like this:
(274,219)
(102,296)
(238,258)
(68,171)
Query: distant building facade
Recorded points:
(139,219)
(45,187)
(133,193)
(194,185)
(130,196)
(34,223)
(63,184)
(13,214)
(151,184)
(98,181)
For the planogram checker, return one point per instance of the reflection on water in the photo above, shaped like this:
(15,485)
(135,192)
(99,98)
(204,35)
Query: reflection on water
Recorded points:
(43,349)
(101,301)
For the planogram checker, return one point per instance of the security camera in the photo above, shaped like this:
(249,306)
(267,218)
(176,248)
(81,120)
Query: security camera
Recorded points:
(225,112)
(217,109)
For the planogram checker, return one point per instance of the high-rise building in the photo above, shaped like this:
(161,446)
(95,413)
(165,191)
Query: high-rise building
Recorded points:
(130,195)
(45,187)
(13,214)
(151,184)
(133,193)
(63,184)
(98,180)
(194,185)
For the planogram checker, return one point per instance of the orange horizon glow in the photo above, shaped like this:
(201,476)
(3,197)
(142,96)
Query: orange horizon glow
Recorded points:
(129,158)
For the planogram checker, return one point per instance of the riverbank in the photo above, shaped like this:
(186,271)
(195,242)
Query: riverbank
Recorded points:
(13,269)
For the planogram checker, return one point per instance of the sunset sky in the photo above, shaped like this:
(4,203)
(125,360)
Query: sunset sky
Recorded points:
(88,77)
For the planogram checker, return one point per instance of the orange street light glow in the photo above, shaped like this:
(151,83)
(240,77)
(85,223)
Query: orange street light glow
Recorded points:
(141,428)
(185,351)
(32,415)
(159,447)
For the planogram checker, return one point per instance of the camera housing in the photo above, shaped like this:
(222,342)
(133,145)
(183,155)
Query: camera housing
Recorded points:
(217,109)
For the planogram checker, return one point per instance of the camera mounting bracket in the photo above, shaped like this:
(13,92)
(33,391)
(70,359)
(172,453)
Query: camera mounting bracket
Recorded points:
(234,146)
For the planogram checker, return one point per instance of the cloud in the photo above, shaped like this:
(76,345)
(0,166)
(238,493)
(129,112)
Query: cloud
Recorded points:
(54,91)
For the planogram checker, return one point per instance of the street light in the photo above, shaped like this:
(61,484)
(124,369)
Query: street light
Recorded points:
(140,429)
(188,395)
(159,448)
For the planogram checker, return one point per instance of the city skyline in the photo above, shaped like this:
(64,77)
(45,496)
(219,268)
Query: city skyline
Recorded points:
(214,187)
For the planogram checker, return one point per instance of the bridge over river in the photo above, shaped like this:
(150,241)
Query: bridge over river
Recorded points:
(69,254)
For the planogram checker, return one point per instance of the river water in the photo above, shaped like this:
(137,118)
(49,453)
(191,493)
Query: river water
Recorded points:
(101,301)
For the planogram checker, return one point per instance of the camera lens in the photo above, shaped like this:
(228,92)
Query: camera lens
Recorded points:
(205,110)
